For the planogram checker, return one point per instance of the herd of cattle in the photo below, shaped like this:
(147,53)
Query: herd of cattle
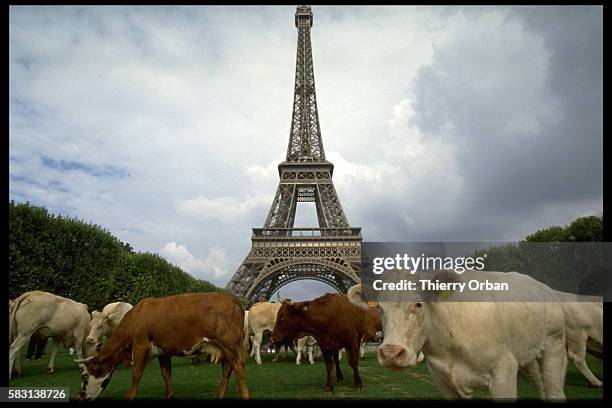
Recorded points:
(466,345)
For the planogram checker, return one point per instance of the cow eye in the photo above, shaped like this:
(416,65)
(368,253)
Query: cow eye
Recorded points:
(419,304)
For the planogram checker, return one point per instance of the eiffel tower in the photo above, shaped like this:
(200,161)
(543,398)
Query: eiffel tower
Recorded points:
(281,253)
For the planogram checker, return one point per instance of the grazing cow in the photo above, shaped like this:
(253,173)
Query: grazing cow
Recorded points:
(104,323)
(307,344)
(334,323)
(180,325)
(583,332)
(473,344)
(262,317)
(50,315)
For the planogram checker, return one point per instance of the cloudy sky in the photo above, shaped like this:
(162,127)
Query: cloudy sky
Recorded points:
(165,124)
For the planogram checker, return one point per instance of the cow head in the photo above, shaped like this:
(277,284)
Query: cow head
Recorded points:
(291,321)
(373,323)
(94,378)
(100,326)
(405,327)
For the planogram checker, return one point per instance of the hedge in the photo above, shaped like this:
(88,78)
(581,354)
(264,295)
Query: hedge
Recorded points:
(85,262)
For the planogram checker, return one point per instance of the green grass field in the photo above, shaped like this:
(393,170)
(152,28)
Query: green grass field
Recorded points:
(281,380)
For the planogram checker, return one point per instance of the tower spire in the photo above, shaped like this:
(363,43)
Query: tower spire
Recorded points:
(305,143)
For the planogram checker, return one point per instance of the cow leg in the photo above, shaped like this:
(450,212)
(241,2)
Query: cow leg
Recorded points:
(362,347)
(17,367)
(310,356)
(277,351)
(534,374)
(226,372)
(298,359)
(165,364)
(554,367)
(329,365)
(54,351)
(256,344)
(15,350)
(503,383)
(340,354)
(440,381)
(139,360)
(339,376)
(241,380)
(576,351)
(353,355)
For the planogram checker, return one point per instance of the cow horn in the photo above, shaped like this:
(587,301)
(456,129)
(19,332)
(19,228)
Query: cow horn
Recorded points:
(83,360)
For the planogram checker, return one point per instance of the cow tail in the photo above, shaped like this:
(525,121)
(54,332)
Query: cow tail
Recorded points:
(12,316)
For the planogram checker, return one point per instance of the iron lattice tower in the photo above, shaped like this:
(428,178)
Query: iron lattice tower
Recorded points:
(281,253)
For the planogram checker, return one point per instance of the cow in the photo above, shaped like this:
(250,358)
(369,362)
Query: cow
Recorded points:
(181,325)
(333,321)
(262,317)
(583,331)
(307,344)
(104,323)
(478,344)
(50,315)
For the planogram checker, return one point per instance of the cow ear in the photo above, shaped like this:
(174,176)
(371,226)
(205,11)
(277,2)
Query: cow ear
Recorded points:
(354,296)
(94,313)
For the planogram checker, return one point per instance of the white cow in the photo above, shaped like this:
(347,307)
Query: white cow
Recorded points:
(50,315)
(583,331)
(104,323)
(262,317)
(306,344)
(468,345)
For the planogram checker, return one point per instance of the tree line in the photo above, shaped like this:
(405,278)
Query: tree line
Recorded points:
(85,262)
(566,258)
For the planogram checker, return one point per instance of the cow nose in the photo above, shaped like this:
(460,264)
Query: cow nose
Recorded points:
(90,340)
(393,355)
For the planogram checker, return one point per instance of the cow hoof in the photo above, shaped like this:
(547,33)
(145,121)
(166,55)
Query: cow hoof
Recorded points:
(169,396)
(50,370)
(329,389)
(592,385)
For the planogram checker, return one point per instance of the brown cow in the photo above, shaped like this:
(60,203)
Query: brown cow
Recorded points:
(181,325)
(334,322)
